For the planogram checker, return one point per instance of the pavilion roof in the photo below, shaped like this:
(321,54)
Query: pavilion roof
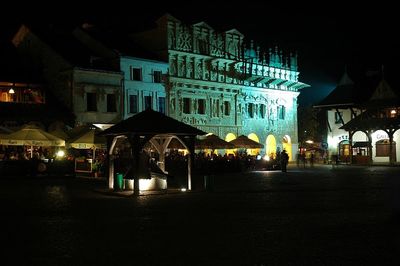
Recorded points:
(150,122)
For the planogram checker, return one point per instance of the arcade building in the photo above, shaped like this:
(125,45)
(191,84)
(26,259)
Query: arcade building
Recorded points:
(363,128)
(221,84)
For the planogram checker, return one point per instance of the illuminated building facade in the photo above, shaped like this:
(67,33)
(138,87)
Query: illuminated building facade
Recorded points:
(363,128)
(143,85)
(215,81)
(219,85)
(143,74)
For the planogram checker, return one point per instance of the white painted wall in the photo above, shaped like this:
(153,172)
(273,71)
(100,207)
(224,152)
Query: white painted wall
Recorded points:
(145,87)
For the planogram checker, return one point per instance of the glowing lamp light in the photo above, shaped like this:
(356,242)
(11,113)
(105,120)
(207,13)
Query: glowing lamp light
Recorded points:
(183,189)
(266,158)
(11,91)
(60,153)
(144,184)
(309,141)
(393,112)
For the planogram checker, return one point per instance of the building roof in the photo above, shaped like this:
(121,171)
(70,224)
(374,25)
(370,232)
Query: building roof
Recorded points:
(14,69)
(118,42)
(362,122)
(61,40)
(347,93)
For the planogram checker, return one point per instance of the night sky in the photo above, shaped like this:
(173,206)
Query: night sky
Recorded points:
(327,37)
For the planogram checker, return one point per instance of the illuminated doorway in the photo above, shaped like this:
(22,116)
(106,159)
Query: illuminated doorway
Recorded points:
(254,137)
(229,137)
(270,144)
(344,151)
(287,145)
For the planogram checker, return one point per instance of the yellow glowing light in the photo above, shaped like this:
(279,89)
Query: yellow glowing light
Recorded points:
(145,184)
(60,153)
(309,141)
(266,158)
(393,112)
(254,137)
(183,189)
(11,91)
(229,137)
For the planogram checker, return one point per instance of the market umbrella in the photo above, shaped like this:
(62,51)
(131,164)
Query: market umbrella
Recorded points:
(31,135)
(88,138)
(245,143)
(213,142)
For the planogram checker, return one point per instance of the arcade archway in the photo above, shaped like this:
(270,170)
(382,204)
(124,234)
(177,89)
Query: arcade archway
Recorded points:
(229,137)
(254,137)
(270,144)
(287,145)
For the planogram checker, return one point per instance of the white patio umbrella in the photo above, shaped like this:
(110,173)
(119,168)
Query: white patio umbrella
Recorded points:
(88,138)
(31,136)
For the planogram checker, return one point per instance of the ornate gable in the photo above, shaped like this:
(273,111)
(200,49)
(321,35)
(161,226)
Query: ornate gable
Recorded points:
(202,24)
(234,32)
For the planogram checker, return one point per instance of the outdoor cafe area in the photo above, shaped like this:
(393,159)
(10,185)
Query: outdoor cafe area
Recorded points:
(32,151)
(82,151)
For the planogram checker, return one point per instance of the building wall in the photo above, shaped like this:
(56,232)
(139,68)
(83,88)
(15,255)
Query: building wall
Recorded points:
(336,135)
(145,87)
(101,83)
(71,84)
(55,68)
(211,68)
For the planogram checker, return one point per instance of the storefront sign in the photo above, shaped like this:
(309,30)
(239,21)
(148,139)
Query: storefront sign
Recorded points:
(381,135)
(343,137)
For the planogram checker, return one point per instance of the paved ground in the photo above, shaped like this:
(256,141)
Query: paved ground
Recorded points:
(318,216)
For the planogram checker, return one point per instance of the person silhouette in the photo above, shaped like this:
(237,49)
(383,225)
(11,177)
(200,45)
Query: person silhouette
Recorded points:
(284,160)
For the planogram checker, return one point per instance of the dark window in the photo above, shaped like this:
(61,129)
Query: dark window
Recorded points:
(203,47)
(161,105)
(338,115)
(91,102)
(186,105)
(201,106)
(262,110)
(147,102)
(227,108)
(133,104)
(111,103)
(281,112)
(250,110)
(136,73)
(157,75)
